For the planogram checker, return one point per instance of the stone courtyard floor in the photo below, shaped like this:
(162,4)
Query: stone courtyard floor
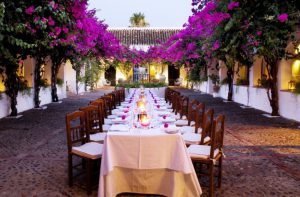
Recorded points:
(262,154)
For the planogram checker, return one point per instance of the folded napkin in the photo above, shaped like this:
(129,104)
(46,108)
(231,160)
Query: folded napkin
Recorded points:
(115,111)
(119,120)
(163,113)
(119,127)
(170,129)
(161,108)
(121,113)
(111,116)
(168,119)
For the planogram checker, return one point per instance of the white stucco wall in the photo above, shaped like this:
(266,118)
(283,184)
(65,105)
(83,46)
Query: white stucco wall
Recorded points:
(157,91)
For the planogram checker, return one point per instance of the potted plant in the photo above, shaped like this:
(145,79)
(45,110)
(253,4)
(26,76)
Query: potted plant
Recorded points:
(215,79)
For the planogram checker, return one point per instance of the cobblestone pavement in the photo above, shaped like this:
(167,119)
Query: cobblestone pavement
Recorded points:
(262,155)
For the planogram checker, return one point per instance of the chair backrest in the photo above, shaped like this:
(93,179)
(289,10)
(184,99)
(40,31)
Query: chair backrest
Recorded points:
(217,135)
(93,117)
(183,104)
(117,97)
(113,99)
(192,111)
(207,124)
(175,101)
(108,103)
(100,104)
(198,114)
(76,129)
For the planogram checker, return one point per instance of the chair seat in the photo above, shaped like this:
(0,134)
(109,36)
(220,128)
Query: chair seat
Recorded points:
(189,129)
(201,151)
(97,137)
(106,127)
(107,121)
(177,117)
(194,138)
(182,122)
(90,150)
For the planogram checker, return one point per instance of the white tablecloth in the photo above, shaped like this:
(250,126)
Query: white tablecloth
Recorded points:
(147,162)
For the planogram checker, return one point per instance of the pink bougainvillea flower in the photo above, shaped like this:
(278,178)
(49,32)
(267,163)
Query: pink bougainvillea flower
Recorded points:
(216,45)
(283,17)
(233,5)
(51,21)
(259,33)
(30,10)
(51,34)
(191,46)
(65,30)
(57,30)
(44,20)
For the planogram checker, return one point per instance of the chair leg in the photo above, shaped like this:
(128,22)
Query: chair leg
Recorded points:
(220,173)
(70,170)
(89,176)
(211,179)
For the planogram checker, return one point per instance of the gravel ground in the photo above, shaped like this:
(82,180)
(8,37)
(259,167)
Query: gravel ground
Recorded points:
(262,154)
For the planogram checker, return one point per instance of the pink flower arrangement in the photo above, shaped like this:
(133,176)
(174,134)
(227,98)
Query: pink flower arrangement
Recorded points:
(283,17)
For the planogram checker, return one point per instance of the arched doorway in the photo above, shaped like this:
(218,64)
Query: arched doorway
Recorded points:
(173,74)
(110,74)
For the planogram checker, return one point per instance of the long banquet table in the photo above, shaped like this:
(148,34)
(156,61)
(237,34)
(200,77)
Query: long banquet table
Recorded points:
(146,161)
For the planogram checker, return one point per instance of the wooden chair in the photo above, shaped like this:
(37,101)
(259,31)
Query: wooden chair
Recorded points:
(100,104)
(188,126)
(182,107)
(94,123)
(203,126)
(113,100)
(175,99)
(108,103)
(79,145)
(118,97)
(122,94)
(211,155)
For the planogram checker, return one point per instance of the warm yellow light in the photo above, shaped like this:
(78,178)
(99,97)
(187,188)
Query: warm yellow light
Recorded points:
(297,49)
(296,68)
(292,85)
(145,121)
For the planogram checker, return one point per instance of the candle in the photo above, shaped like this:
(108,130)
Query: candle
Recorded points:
(145,121)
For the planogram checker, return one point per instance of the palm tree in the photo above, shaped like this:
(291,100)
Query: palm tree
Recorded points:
(138,20)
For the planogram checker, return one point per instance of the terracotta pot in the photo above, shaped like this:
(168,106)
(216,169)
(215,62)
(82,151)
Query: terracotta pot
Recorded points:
(216,88)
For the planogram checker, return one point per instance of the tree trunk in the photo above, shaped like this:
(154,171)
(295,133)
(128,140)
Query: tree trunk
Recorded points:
(54,72)
(37,81)
(230,83)
(12,87)
(274,101)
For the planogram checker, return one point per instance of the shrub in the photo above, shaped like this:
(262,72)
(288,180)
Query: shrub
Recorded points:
(44,83)
(297,88)
(24,87)
(244,82)
(59,82)
(214,78)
